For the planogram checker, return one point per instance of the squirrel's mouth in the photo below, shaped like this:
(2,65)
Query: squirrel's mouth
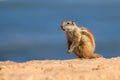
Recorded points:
(62,28)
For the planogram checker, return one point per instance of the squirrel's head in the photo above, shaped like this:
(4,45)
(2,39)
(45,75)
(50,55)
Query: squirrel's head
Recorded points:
(68,26)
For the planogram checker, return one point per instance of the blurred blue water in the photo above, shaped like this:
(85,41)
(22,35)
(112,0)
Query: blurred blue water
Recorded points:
(31,29)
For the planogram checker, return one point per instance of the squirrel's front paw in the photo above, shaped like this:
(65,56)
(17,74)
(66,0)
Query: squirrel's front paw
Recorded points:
(70,50)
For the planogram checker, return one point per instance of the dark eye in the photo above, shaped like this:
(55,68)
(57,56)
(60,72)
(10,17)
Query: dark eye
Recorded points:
(68,23)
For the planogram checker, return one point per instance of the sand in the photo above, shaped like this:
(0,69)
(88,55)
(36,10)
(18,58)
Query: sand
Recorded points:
(74,69)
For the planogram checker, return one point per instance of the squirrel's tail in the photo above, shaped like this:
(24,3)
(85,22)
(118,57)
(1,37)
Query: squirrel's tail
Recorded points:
(96,55)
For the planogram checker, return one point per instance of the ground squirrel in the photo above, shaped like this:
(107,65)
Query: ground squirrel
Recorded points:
(79,40)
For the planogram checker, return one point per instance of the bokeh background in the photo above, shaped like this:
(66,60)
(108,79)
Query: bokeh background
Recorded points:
(30,29)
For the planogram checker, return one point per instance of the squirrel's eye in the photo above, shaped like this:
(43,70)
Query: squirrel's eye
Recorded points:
(68,23)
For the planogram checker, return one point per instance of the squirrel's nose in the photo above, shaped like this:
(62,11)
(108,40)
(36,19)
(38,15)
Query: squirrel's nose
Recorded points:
(62,28)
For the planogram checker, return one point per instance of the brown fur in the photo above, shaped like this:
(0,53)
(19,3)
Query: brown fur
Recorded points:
(79,40)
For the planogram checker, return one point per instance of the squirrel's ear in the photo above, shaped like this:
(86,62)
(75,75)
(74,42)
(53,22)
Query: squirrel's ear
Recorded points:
(73,23)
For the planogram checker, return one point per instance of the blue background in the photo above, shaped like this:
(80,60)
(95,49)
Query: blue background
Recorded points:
(30,29)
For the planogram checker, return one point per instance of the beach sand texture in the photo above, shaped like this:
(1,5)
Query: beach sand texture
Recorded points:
(74,69)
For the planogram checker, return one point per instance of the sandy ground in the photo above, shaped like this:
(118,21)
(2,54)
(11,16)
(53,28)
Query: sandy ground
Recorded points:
(74,69)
